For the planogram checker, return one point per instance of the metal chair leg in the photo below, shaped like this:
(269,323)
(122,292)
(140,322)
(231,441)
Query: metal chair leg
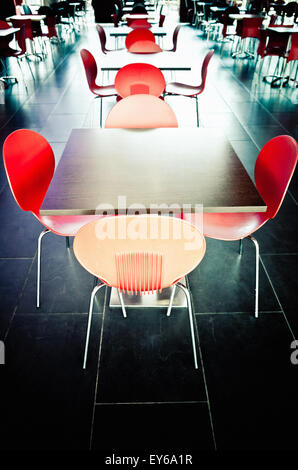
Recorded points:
(94,291)
(122,302)
(171,300)
(38,266)
(186,292)
(257,275)
(197,110)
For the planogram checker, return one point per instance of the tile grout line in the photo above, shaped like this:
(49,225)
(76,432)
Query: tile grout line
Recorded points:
(277,298)
(203,369)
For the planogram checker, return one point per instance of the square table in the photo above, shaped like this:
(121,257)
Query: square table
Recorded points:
(149,170)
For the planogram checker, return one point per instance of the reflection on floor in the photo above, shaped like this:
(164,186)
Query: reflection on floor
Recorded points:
(140,392)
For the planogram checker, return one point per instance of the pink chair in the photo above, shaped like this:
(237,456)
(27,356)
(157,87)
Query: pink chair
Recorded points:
(163,252)
(176,88)
(29,164)
(141,112)
(274,169)
(91,75)
(139,78)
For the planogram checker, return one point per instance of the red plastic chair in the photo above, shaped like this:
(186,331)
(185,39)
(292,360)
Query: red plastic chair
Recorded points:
(138,265)
(176,88)
(250,29)
(139,78)
(141,112)
(175,39)
(274,169)
(29,164)
(138,35)
(272,44)
(33,30)
(136,24)
(90,67)
(103,39)
(144,47)
(161,20)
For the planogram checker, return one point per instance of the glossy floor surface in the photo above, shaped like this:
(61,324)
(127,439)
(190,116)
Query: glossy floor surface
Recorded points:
(140,392)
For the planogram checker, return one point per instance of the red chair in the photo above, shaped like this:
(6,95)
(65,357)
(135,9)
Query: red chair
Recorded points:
(149,263)
(175,39)
(250,29)
(139,78)
(29,32)
(181,89)
(138,23)
(272,44)
(141,112)
(90,67)
(29,164)
(161,20)
(274,169)
(103,39)
(144,47)
(138,35)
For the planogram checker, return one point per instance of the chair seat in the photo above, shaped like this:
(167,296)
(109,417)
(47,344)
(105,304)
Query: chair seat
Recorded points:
(177,88)
(66,225)
(229,226)
(107,90)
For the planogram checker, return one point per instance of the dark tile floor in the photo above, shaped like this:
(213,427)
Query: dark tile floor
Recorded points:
(140,392)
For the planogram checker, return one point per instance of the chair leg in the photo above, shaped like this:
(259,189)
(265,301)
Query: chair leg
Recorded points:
(38,266)
(240,246)
(122,302)
(257,275)
(94,291)
(100,112)
(197,110)
(186,292)
(171,300)
(67,242)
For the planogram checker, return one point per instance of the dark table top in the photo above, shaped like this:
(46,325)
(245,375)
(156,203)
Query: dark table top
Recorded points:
(146,167)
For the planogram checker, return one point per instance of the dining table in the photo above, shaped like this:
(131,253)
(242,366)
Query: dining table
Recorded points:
(157,171)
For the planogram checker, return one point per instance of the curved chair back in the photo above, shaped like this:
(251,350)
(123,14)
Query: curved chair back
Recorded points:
(17,23)
(29,164)
(293,54)
(204,68)
(144,47)
(161,20)
(90,67)
(141,112)
(175,38)
(139,78)
(250,27)
(274,169)
(4,25)
(138,23)
(139,34)
(102,38)
(139,253)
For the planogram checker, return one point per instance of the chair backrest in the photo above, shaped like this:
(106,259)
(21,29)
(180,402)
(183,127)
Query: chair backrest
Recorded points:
(51,24)
(141,112)
(102,38)
(138,8)
(26,9)
(140,34)
(293,54)
(21,40)
(250,27)
(139,78)
(274,169)
(175,38)
(204,68)
(161,20)
(4,25)
(115,19)
(138,23)
(17,23)
(144,47)
(90,67)
(140,253)
(29,164)
(276,44)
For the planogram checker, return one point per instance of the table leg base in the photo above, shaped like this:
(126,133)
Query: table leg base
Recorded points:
(156,300)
